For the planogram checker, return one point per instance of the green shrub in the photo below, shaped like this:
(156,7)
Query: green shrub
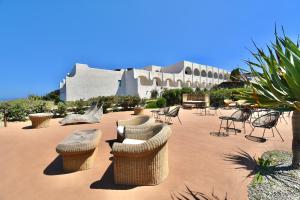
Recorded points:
(161,102)
(61,109)
(172,96)
(218,96)
(52,96)
(17,112)
(39,106)
(151,104)
(187,90)
(79,107)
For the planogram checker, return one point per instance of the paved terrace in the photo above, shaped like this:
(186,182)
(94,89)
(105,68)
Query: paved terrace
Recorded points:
(30,168)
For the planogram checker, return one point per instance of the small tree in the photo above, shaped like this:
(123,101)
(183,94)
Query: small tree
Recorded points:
(277,81)
(235,75)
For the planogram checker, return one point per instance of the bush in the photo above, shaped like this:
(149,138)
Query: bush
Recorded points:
(79,107)
(151,104)
(161,102)
(61,109)
(218,96)
(52,96)
(187,90)
(17,112)
(172,96)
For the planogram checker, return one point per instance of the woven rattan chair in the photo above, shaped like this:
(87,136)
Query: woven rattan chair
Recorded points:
(171,114)
(141,121)
(144,163)
(241,115)
(267,121)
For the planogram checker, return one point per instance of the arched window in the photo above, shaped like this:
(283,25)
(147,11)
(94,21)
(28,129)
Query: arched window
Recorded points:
(215,75)
(196,72)
(188,71)
(220,76)
(203,73)
(209,74)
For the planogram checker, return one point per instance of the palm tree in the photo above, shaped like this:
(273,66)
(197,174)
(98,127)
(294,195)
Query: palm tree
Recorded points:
(277,81)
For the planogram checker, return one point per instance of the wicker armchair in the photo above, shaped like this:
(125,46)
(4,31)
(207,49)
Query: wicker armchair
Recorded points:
(267,121)
(145,163)
(136,122)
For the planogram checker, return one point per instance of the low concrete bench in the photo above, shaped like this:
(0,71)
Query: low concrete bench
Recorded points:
(78,150)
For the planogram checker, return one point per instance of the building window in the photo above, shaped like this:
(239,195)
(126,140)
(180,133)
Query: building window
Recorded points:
(188,71)
(215,75)
(120,83)
(196,72)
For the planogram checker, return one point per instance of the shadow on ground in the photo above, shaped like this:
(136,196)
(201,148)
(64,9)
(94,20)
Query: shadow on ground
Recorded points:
(27,127)
(275,171)
(55,167)
(107,181)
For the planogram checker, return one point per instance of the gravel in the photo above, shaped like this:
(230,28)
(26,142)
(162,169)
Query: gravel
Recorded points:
(280,183)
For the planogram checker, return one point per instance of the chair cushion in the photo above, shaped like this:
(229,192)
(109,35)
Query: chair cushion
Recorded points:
(133,141)
(120,130)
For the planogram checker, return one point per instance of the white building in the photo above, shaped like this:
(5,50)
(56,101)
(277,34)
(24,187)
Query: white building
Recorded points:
(85,82)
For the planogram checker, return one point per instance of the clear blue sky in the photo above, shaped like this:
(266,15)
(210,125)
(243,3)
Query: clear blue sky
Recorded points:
(41,40)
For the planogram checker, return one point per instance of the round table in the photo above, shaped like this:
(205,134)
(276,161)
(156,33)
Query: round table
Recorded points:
(40,120)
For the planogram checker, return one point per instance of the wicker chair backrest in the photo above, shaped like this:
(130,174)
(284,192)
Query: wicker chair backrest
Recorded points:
(164,110)
(268,120)
(174,112)
(242,115)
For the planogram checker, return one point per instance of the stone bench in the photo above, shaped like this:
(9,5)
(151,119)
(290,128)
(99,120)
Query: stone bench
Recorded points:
(78,150)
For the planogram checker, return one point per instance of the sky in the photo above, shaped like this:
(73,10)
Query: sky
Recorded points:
(40,41)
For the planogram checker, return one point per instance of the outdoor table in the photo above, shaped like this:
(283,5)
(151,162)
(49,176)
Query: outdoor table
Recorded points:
(197,103)
(79,149)
(155,114)
(40,120)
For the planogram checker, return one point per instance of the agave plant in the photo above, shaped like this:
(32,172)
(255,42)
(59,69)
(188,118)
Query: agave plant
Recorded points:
(276,81)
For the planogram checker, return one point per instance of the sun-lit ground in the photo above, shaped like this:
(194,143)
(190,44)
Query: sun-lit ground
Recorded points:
(29,168)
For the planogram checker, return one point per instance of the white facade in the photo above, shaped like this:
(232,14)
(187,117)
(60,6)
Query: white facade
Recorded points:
(85,82)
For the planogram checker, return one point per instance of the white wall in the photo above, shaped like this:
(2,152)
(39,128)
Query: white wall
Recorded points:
(89,82)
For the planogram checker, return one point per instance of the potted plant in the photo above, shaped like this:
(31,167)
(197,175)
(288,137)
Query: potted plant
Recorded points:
(276,81)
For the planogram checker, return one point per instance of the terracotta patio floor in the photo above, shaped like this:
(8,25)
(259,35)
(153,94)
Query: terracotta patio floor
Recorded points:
(30,169)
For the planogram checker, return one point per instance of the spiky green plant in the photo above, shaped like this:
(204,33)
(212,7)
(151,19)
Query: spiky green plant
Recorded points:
(262,168)
(277,81)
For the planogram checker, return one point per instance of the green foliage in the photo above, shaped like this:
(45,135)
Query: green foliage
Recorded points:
(154,94)
(172,96)
(263,169)
(61,109)
(52,96)
(218,96)
(235,75)
(79,107)
(127,102)
(187,90)
(17,112)
(161,102)
(151,104)
(277,73)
